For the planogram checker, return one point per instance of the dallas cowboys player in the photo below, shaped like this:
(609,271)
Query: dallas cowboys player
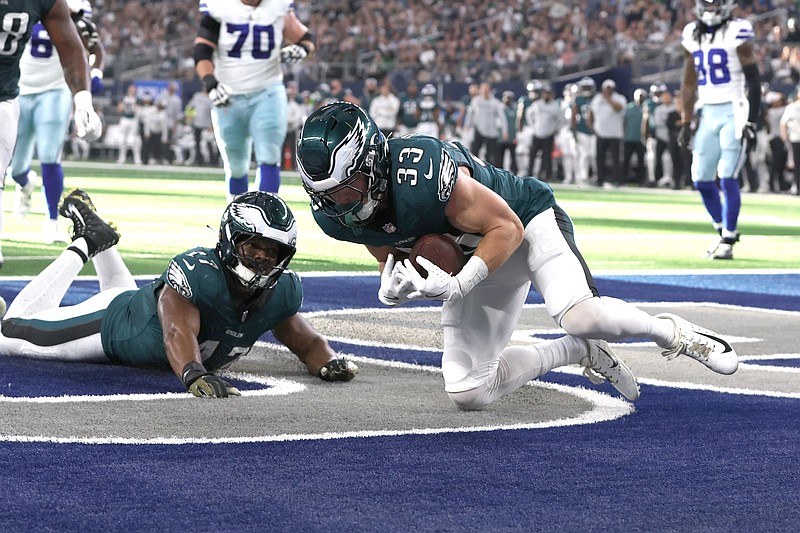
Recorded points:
(721,71)
(237,56)
(45,112)
(17,18)
(387,194)
(205,311)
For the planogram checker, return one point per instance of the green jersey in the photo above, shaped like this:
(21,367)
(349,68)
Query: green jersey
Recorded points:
(582,106)
(17,18)
(423,173)
(131,331)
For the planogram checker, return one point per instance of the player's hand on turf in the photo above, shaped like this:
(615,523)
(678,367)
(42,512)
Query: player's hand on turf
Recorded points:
(293,54)
(685,136)
(394,285)
(439,285)
(88,125)
(204,384)
(338,370)
(219,93)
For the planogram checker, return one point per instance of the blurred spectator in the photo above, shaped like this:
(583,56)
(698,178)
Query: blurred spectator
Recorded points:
(633,140)
(409,110)
(370,91)
(790,132)
(486,116)
(385,108)
(199,111)
(544,117)
(184,149)
(606,114)
(173,106)
(129,110)
(509,145)
(777,146)
(584,135)
(295,116)
(155,128)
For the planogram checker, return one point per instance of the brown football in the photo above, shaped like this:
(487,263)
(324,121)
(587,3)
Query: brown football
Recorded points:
(439,250)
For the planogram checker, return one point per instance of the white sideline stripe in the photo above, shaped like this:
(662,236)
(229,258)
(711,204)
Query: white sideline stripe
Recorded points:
(278,387)
(605,408)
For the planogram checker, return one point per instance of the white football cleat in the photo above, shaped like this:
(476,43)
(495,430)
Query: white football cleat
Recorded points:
(702,345)
(51,233)
(23,196)
(603,364)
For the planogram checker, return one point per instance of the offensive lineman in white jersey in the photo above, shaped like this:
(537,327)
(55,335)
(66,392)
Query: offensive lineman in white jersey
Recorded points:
(721,71)
(238,56)
(45,113)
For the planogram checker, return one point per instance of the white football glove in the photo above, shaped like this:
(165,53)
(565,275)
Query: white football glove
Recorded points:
(88,125)
(395,285)
(293,54)
(220,95)
(439,285)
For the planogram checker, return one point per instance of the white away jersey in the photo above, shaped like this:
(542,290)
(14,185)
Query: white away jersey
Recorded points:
(39,67)
(248,49)
(719,71)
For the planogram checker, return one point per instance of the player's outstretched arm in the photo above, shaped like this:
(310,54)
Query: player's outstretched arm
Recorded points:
(180,321)
(313,350)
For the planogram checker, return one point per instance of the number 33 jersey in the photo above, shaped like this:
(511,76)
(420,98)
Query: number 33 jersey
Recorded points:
(719,71)
(248,47)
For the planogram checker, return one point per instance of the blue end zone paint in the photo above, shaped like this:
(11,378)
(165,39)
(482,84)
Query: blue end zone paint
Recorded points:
(24,377)
(684,461)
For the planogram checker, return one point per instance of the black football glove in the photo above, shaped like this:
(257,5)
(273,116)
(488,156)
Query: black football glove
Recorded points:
(338,370)
(204,384)
(685,136)
(749,135)
(88,31)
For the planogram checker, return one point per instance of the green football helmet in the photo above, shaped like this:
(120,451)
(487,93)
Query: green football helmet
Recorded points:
(338,142)
(251,215)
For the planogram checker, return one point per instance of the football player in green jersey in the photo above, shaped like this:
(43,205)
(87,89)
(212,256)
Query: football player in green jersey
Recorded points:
(387,194)
(17,18)
(205,311)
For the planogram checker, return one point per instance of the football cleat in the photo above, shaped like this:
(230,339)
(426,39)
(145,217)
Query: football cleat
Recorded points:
(86,223)
(603,364)
(702,345)
(722,248)
(23,196)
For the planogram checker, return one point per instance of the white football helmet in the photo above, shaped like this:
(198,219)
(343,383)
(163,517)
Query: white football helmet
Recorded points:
(713,12)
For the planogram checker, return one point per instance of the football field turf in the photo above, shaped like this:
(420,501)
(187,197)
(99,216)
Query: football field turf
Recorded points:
(161,211)
(100,447)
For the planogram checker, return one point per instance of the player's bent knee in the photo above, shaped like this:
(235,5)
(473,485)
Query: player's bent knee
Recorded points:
(470,400)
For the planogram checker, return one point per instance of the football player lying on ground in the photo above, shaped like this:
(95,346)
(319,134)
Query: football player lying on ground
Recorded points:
(205,311)
(387,194)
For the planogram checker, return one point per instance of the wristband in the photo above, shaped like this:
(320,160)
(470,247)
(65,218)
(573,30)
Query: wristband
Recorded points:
(83,100)
(191,372)
(473,273)
(210,82)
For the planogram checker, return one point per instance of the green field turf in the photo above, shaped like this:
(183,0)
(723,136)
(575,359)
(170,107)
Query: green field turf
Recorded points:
(162,211)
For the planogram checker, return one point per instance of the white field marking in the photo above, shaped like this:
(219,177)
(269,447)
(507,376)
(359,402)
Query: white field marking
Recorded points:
(744,362)
(278,387)
(604,409)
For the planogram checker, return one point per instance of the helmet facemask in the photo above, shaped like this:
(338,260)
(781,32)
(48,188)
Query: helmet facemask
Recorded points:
(713,12)
(257,215)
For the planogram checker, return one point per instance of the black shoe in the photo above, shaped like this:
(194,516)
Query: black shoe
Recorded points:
(86,223)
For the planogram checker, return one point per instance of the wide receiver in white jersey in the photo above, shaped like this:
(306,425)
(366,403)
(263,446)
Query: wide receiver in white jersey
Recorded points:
(45,112)
(721,71)
(238,56)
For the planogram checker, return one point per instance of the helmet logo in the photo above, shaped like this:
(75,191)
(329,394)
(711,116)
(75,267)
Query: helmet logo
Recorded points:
(344,159)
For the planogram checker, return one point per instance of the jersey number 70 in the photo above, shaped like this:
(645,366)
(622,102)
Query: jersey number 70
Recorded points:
(712,66)
(263,40)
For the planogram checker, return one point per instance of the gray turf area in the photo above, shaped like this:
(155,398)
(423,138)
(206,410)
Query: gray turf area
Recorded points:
(386,398)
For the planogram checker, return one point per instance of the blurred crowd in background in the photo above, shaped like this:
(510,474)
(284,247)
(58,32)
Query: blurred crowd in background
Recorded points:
(402,47)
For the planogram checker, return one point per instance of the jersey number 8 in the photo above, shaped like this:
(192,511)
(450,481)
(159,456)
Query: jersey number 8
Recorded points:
(12,29)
